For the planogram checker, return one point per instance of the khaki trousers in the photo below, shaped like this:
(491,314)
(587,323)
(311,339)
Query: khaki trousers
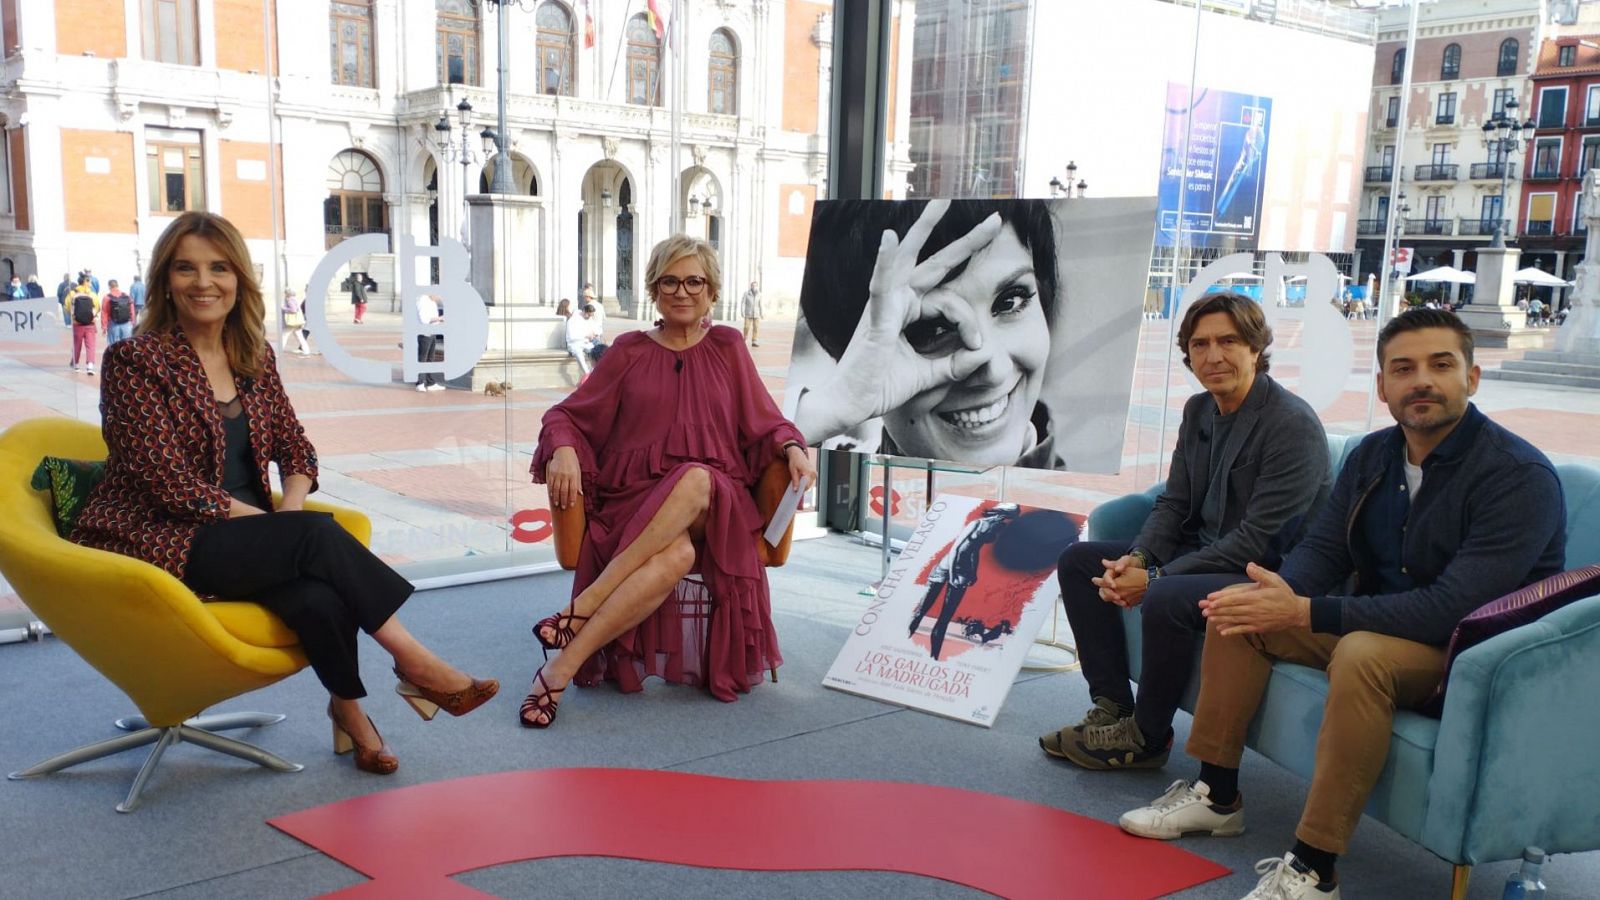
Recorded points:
(1369,676)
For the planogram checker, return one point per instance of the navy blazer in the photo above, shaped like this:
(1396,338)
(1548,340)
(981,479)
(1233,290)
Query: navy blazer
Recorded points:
(1278,476)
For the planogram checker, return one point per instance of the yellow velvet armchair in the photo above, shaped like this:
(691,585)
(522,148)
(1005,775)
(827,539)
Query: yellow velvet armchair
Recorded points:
(141,628)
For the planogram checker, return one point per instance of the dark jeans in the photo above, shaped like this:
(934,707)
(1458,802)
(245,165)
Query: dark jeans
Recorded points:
(311,573)
(425,345)
(1170,623)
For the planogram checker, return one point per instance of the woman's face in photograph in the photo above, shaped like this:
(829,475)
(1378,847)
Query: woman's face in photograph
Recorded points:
(984,418)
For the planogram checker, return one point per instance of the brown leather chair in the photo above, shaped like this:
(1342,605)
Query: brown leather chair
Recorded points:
(569,524)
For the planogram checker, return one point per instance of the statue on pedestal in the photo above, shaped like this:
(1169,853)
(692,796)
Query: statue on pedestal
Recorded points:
(1581,331)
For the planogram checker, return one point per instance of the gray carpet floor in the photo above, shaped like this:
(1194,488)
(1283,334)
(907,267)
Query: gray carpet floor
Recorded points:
(202,830)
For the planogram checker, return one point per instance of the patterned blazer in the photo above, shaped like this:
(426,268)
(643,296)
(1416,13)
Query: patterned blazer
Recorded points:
(164,435)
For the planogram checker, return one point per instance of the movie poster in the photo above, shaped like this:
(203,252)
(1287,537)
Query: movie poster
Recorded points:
(948,629)
(1221,181)
(981,332)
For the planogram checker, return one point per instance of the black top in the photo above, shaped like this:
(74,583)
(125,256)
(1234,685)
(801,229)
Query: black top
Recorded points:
(239,476)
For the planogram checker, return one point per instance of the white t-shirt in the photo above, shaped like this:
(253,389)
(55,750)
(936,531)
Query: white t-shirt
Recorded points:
(580,330)
(427,310)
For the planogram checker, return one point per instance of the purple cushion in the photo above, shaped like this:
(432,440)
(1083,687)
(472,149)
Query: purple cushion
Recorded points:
(1518,608)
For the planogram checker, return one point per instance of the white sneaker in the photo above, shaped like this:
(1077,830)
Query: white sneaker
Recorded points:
(421,387)
(91,370)
(436,386)
(1183,809)
(1289,879)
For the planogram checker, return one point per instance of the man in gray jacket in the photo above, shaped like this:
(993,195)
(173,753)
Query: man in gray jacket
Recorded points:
(1250,467)
(1430,519)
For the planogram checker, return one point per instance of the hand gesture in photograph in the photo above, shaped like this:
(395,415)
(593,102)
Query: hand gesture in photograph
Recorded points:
(910,338)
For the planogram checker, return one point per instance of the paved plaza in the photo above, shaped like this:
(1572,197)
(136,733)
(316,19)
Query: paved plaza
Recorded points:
(442,474)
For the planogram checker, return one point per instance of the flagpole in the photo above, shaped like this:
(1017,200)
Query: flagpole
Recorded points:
(674,23)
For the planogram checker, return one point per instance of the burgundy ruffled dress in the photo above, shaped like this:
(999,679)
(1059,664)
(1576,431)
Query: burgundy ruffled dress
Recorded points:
(645,416)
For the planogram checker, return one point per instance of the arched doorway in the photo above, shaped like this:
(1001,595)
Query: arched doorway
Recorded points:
(701,205)
(523,176)
(605,237)
(355,198)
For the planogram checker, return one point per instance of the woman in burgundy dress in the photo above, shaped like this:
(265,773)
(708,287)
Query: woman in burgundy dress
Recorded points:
(661,445)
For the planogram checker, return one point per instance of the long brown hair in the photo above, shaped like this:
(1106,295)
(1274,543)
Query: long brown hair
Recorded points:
(244,335)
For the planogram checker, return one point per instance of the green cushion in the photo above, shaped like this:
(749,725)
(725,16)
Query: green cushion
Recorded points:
(69,481)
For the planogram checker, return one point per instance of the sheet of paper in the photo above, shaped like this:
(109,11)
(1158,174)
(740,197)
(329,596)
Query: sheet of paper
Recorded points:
(783,515)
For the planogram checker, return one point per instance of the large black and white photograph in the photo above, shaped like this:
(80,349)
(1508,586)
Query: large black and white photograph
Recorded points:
(980,332)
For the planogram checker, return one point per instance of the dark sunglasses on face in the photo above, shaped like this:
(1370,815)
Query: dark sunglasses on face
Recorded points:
(668,284)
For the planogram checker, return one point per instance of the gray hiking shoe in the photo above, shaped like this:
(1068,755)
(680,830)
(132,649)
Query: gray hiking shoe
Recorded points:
(1104,712)
(1120,745)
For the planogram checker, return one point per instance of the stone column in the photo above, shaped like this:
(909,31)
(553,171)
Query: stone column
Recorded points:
(1493,315)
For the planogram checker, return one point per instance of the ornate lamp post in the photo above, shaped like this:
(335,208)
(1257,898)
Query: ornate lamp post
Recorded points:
(1059,188)
(1503,135)
(450,151)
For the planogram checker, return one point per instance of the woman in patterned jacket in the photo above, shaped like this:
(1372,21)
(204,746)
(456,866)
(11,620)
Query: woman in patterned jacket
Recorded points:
(193,411)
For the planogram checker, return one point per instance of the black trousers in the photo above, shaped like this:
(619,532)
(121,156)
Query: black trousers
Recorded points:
(425,346)
(1170,624)
(311,573)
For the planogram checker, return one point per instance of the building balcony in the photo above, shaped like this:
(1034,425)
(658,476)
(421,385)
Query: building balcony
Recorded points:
(1445,119)
(1371,226)
(1436,172)
(1380,173)
(1475,227)
(1539,229)
(1543,173)
(1391,121)
(1493,171)
(1435,227)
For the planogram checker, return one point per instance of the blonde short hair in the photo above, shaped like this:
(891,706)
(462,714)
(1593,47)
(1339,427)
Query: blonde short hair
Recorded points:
(677,247)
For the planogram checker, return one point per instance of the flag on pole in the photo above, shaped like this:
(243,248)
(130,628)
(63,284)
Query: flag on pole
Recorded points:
(657,24)
(588,26)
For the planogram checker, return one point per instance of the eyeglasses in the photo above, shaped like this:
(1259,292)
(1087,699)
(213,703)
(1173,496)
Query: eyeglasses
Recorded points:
(668,284)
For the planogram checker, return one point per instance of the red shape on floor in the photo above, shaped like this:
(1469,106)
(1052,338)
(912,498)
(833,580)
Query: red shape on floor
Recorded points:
(411,840)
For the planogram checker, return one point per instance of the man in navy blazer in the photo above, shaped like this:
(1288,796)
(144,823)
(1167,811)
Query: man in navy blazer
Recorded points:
(1250,467)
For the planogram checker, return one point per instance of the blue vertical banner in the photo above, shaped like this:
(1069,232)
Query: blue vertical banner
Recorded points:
(1222,179)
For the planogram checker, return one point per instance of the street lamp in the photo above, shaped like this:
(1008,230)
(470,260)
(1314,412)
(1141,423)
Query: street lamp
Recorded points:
(463,153)
(1503,135)
(1059,188)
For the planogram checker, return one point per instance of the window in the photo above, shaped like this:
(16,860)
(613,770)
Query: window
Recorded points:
(1541,213)
(1451,66)
(1441,154)
(1508,58)
(555,49)
(1552,107)
(1445,111)
(1393,118)
(1502,96)
(723,96)
(1397,71)
(1589,156)
(1489,212)
(457,41)
(1547,157)
(644,63)
(1388,157)
(1591,108)
(350,42)
(174,160)
(1434,208)
(1566,56)
(170,33)
(355,197)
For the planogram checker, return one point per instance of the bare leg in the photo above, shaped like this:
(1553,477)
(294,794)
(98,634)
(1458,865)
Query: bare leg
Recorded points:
(417,661)
(682,513)
(348,714)
(639,595)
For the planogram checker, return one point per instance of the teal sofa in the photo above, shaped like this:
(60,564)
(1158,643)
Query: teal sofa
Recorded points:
(1510,764)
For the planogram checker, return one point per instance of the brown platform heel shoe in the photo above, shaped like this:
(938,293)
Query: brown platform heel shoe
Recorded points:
(380,761)
(427,702)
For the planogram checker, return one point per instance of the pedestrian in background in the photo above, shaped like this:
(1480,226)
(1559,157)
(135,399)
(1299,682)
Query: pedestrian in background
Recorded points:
(35,289)
(81,312)
(136,291)
(750,308)
(116,314)
(15,291)
(294,321)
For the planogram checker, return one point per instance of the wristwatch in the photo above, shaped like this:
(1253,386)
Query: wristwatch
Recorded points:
(1153,572)
(1143,557)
